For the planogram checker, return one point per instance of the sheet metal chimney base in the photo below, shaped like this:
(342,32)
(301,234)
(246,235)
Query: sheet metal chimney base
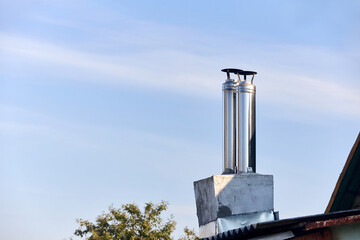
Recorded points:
(226,202)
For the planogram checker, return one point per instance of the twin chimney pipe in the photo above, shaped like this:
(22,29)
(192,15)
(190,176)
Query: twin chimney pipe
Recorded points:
(239,122)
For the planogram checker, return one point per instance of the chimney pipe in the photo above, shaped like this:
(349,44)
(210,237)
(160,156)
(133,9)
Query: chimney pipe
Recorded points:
(239,197)
(229,117)
(239,122)
(246,151)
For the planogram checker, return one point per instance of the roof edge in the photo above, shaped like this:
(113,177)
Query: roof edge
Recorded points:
(311,222)
(347,163)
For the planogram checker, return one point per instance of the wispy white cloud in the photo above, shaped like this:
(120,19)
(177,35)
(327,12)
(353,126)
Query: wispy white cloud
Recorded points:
(311,93)
(183,71)
(161,69)
(16,128)
(20,122)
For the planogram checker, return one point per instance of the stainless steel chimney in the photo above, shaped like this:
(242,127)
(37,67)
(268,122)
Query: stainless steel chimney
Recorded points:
(229,117)
(239,197)
(246,150)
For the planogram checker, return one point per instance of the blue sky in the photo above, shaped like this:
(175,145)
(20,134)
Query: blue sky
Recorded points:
(111,102)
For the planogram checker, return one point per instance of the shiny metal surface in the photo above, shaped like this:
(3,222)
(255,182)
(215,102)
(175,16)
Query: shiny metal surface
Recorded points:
(246,121)
(243,220)
(229,117)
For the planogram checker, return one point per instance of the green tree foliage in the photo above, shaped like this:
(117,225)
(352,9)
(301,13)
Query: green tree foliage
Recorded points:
(189,235)
(130,223)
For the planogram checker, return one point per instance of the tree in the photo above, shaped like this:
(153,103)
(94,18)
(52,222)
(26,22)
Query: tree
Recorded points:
(130,223)
(189,235)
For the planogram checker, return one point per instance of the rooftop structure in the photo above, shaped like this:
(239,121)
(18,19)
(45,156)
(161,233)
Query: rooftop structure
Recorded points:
(346,194)
(338,225)
(239,196)
(341,219)
(239,203)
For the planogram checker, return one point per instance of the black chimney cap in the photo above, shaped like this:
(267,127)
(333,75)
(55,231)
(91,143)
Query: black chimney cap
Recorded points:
(232,70)
(247,73)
